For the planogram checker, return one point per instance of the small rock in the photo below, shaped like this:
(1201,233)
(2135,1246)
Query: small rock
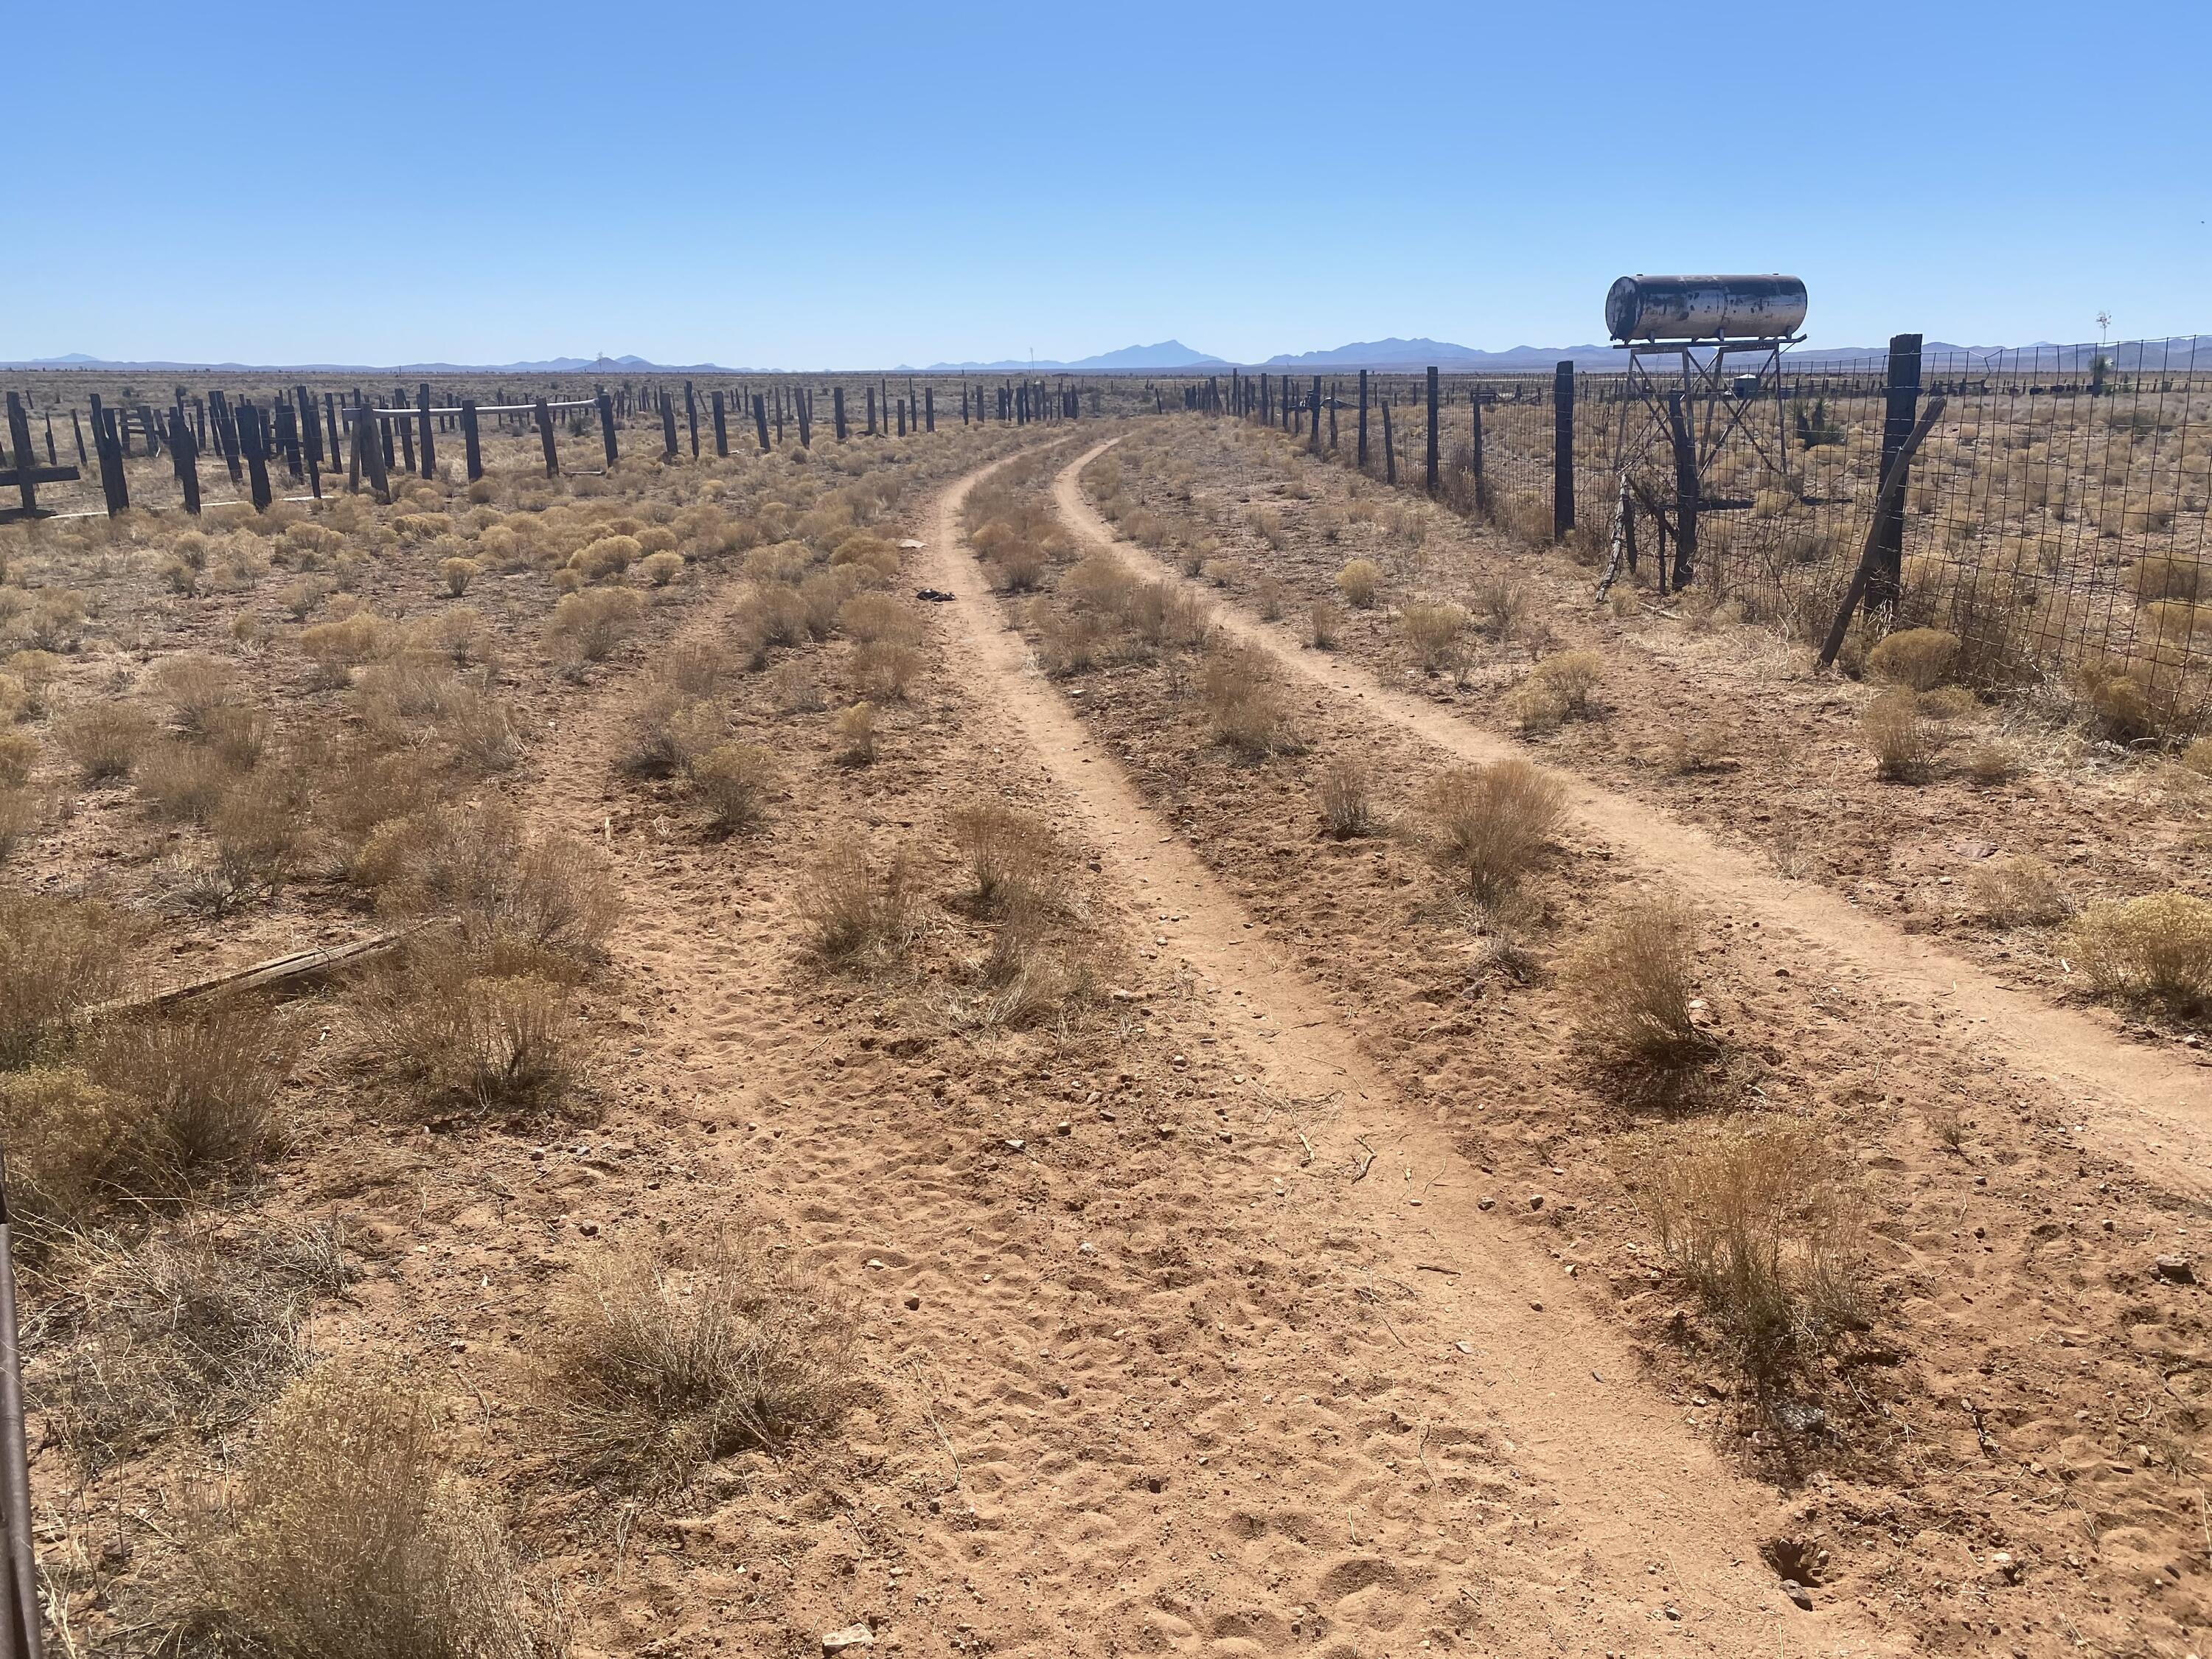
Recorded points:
(1674,1612)
(1797,1592)
(2005,1567)
(589,1229)
(847,1640)
(1063,1128)
(1535,1201)
(1016,1146)
(877,1263)
(912,1303)
(2174,1270)
(1484,1203)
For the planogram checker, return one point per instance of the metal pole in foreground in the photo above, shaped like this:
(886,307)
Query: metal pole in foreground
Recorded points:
(19,1629)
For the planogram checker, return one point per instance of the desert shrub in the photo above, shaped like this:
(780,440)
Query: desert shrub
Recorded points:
(1243,708)
(1359,581)
(858,910)
(19,755)
(199,1093)
(2128,704)
(886,669)
(472,1024)
(874,618)
(1631,985)
(589,626)
(336,648)
(1993,761)
(610,555)
(303,597)
(421,527)
(1347,803)
(853,733)
(457,573)
(183,781)
(1324,624)
(19,813)
(1504,607)
(554,892)
(1011,856)
(1555,691)
(1759,1218)
(662,569)
(1162,614)
(666,730)
(1492,822)
(2170,576)
(1267,595)
(732,780)
(1916,658)
(199,689)
(194,1328)
(1434,631)
(655,1370)
(2155,949)
(1903,737)
(104,740)
(346,1535)
(1016,566)
(57,956)
(2018,892)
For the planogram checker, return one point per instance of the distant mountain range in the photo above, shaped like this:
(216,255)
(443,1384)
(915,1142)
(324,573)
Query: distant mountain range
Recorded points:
(1168,354)
(2126,355)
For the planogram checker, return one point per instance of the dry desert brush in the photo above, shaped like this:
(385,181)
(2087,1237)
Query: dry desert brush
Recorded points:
(656,1370)
(1492,822)
(2155,950)
(1633,987)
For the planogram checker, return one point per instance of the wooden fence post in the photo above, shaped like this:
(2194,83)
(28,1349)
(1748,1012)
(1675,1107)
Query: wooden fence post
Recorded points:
(691,417)
(1563,449)
(837,409)
(607,425)
(471,443)
(1474,425)
(253,440)
(1436,429)
(760,420)
(717,407)
(1313,437)
(184,455)
(1389,449)
(552,452)
(872,412)
(310,425)
(1363,420)
(226,432)
(1900,407)
(1686,497)
(428,446)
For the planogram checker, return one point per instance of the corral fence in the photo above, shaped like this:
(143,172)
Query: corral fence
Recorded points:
(73,436)
(2054,519)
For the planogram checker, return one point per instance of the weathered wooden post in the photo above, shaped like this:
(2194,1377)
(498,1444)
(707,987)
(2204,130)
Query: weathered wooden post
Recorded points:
(311,426)
(471,443)
(253,439)
(667,427)
(428,444)
(1685,495)
(20,1635)
(546,439)
(184,455)
(1474,409)
(1363,420)
(871,411)
(691,417)
(1436,429)
(716,407)
(607,425)
(1390,450)
(226,432)
(929,409)
(837,410)
(288,436)
(1900,407)
(760,420)
(1563,449)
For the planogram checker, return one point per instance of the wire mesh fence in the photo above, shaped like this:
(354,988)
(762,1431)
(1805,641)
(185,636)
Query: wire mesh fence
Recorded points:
(2055,518)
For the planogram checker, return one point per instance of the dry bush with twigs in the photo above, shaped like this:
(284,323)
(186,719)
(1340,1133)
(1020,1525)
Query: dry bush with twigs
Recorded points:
(1348,800)
(57,956)
(2018,892)
(2156,949)
(1903,736)
(1760,1218)
(853,734)
(346,1534)
(1633,989)
(589,627)
(477,1025)
(1359,581)
(654,1368)
(1011,856)
(732,781)
(554,891)
(1244,709)
(1558,689)
(104,740)
(1493,821)
(859,910)
(1915,657)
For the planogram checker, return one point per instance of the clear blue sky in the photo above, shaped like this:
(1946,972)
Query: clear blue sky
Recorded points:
(808,186)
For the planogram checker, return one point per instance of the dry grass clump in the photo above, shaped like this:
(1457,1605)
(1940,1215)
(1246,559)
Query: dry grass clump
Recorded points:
(732,781)
(662,569)
(1244,710)
(1993,761)
(191,1329)
(2156,949)
(2170,576)
(1434,631)
(198,691)
(57,956)
(1012,855)
(1633,987)
(1359,581)
(1759,1218)
(590,626)
(853,735)
(609,556)
(198,1093)
(104,740)
(2018,892)
(886,670)
(477,1025)
(1324,624)
(1492,822)
(336,648)
(1347,800)
(1558,689)
(2127,703)
(1916,657)
(554,892)
(457,575)
(874,619)
(858,910)
(1903,736)
(346,1535)
(667,729)
(654,1370)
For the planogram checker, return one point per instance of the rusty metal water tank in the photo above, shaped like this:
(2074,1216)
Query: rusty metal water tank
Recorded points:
(1704,308)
